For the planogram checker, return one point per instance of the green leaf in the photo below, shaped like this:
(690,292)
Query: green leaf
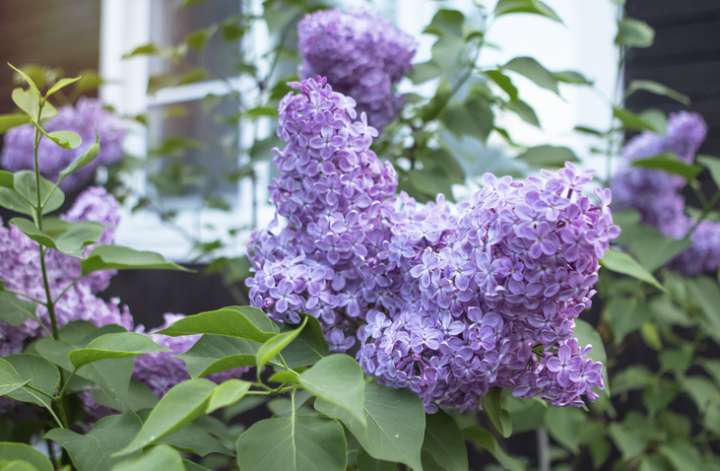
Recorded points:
(444,443)
(634,33)
(367,463)
(9,121)
(492,404)
(28,101)
(60,84)
(633,121)
(712,164)
(65,139)
(81,161)
(395,424)
(702,391)
(504,82)
(297,443)
(117,257)
(705,293)
(683,456)
(12,200)
(180,405)
(10,379)
(563,424)
(625,316)
(15,311)
(119,345)
(472,117)
(571,77)
(161,457)
(92,451)
(40,374)
(148,49)
(16,465)
(12,451)
(485,440)
(213,354)
(658,89)
(51,196)
(534,71)
(227,394)
(621,262)
(112,377)
(651,248)
(630,443)
(338,379)
(198,39)
(446,22)
(669,163)
(308,348)
(276,344)
(534,7)
(235,321)
(546,156)
(67,237)
(524,111)
(420,73)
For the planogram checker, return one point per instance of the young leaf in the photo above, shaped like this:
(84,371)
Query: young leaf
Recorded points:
(658,89)
(118,257)
(227,394)
(395,424)
(84,159)
(444,443)
(276,344)
(500,418)
(66,237)
(669,163)
(213,354)
(634,33)
(9,121)
(243,322)
(621,262)
(534,7)
(14,310)
(11,451)
(10,379)
(65,139)
(308,348)
(633,121)
(120,345)
(564,424)
(534,71)
(297,443)
(60,84)
(40,374)
(338,380)
(180,405)
(92,451)
(161,457)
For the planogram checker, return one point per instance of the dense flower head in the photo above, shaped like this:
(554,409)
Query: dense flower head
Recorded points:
(445,300)
(89,120)
(657,196)
(362,56)
(20,272)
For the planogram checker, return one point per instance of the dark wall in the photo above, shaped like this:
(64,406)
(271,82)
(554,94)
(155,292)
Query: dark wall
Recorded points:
(55,33)
(685,56)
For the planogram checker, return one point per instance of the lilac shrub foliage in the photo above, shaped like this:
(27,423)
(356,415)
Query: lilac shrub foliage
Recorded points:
(80,301)
(446,300)
(657,195)
(89,120)
(362,56)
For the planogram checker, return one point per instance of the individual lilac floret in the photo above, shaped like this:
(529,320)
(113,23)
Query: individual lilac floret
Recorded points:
(445,300)
(160,371)
(20,272)
(88,119)
(362,56)
(657,196)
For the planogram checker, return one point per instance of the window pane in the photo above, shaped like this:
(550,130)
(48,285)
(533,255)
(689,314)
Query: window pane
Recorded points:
(170,23)
(193,148)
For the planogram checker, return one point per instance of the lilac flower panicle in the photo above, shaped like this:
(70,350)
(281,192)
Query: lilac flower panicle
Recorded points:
(657,195)
(362,55)
(445,300)
(89,120)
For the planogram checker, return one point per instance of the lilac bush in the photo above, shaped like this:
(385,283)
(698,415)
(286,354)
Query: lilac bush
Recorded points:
(362,55)
(657,195)
(446,300)
(89,119)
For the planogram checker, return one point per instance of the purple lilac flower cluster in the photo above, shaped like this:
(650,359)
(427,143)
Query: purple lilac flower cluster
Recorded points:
(89,120)
(362,56)
(446,300)
(657,196)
